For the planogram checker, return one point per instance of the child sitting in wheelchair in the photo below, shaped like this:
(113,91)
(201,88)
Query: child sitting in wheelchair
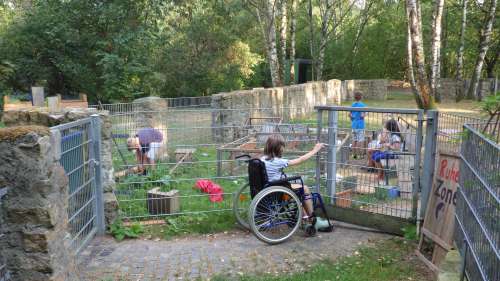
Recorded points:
(273,152)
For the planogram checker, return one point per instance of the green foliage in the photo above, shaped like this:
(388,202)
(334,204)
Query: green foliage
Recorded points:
(491,104)
(120,50)
(120,232)
(410,233)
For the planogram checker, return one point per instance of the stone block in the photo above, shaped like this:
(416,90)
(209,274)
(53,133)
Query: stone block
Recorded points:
(38,96)
(110,208)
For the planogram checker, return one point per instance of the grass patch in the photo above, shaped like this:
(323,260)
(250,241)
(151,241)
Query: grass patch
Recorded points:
(391,259)
(202,223)
(2,125)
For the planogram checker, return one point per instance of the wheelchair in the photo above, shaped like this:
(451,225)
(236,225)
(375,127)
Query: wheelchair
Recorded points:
(272,210)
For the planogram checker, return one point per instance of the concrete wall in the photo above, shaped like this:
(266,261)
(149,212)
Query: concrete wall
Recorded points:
(231,110)
(371,89)
(42,117)
(36,243)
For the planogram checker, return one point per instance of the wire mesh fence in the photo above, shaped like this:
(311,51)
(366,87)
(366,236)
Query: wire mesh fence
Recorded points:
(4,273)
(477,232)
(79,158)
(200,144)
(450,130)
(374,164)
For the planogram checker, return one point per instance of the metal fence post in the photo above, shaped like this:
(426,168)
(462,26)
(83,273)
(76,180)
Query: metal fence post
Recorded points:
(429,158)
(416,165)
(333,117)
(318,156)
(96,143)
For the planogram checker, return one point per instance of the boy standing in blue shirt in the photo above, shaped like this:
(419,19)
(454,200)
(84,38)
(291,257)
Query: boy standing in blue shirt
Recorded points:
(358,126)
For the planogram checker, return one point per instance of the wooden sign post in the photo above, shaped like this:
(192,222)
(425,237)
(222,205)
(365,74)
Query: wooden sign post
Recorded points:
(437,231)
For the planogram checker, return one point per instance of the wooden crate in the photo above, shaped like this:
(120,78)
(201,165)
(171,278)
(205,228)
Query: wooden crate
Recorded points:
(184,154)
(160,203)
(344,198)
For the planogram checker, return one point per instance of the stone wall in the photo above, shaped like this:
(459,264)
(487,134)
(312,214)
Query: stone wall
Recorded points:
(231,110)
(42,117)
(449,86)
(36,242)
(371,89)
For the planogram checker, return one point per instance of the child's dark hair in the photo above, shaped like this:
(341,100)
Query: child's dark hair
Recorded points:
(274,146)
(358,96)
(393,127)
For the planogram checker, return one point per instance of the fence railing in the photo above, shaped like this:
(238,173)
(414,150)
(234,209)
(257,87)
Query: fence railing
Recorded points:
(4,274)
(182,102)
(80,157)
(477,232)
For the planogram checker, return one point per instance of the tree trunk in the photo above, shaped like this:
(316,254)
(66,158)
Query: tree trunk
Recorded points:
(269,33)
(326,15)
(311,38)
(437,16)
(490,63)
(460,55)
(483,48)
(422,85)
(293,28)
(283,36)
(363,21)
(411,76)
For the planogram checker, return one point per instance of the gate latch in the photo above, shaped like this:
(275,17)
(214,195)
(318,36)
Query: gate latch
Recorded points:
(94,162)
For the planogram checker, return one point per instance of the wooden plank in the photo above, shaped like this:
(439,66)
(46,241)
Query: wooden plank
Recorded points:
(429,264)
(384,223)
(436,239)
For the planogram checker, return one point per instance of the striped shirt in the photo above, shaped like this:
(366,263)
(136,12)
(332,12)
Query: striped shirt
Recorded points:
(274,167)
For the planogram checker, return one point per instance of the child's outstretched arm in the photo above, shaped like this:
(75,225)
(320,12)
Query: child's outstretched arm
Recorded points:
(306,156)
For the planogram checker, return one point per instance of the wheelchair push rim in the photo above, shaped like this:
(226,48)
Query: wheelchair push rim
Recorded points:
(241,205)
(275,214)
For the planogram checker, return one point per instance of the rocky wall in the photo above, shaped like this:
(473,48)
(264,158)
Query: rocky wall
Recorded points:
(42,117)
(36,241)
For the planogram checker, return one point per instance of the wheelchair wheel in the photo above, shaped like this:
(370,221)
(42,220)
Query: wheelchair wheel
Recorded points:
(275,214)
(241,205)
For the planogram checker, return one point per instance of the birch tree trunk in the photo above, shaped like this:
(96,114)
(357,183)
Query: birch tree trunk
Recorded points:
(422,85)
(437,16)
(460,55)
(483,48)
(326,8)
(411,75)
(283,36)
(311,38)
(266,14)
(363,21)
(293,27)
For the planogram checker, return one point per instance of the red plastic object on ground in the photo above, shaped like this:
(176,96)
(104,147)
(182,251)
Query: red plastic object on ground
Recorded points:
(214,190)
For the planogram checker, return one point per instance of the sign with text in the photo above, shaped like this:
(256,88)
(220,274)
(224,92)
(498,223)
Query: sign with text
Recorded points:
(439,218)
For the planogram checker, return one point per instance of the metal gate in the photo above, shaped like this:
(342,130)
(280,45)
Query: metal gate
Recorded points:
(367,183)
(79,155)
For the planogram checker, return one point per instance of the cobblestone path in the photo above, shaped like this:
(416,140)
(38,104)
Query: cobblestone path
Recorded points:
(201,257)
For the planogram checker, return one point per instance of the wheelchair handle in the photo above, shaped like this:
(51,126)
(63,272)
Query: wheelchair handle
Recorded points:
(243,156)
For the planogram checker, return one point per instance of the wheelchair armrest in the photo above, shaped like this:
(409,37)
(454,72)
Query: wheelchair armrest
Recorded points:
(284,180)
(294,178)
